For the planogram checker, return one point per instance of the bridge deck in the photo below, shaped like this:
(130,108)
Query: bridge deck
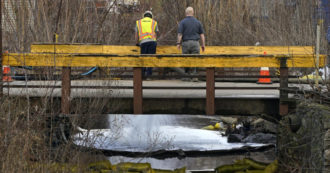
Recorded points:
(124,89)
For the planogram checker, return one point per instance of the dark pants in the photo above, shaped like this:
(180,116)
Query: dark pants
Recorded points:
(148,48)
(190,47)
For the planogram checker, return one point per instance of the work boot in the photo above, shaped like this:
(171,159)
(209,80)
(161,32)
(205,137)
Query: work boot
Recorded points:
(194,73)
(195,79)
(185,79)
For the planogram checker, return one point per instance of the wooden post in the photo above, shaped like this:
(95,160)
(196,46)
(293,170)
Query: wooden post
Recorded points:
(317,51)
(138,93)
(66,90)
(210,91)
(284,72)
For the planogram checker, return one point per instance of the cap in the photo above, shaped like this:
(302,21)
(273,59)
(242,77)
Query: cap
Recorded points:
(147,12)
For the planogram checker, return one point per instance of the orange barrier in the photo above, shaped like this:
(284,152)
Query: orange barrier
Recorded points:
(6,74)
(264,71)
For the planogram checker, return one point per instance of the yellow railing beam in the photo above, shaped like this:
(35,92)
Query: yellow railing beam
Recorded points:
(89,60)
(114,49)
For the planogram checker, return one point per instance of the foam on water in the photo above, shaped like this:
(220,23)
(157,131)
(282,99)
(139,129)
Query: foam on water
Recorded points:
(145,133)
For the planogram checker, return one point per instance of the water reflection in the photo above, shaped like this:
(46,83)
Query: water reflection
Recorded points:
(195,163)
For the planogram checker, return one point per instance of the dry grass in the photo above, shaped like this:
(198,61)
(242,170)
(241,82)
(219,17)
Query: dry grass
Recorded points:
(24,131)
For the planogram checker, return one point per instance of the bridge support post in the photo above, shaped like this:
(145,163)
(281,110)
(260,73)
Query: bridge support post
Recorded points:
(210,91)
(66,90)
(284,73)
(138,92)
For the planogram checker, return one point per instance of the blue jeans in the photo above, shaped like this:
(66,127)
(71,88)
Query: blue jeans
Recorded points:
(148,48)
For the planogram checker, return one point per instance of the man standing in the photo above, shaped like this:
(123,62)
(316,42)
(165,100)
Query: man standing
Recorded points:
(145,36)
(189,33)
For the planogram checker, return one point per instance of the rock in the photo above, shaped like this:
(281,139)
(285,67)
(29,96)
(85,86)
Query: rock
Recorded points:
(231,130)
(264,126)
(326,124)
(326,144)
(260,138)
(327,155)
(233,138)
(327,140)
(229,120)
(294,123)
(327,135)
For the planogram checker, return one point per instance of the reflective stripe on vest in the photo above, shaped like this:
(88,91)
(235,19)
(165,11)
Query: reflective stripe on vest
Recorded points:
(146,28)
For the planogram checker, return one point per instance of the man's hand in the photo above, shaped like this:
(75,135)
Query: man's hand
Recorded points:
(178,43)
(203,48)
(203,42)
(178,46)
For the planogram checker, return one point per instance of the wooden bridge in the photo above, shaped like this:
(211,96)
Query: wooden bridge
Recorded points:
(88,55)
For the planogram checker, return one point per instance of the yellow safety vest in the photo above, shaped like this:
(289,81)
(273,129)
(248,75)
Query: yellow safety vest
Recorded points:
(146,28)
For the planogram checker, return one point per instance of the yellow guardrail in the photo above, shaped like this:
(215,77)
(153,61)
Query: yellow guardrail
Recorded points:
(220,50)
(167,56)
(88,60)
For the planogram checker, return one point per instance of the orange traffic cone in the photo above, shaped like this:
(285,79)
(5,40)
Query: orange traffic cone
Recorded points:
(264,71)
(6,74)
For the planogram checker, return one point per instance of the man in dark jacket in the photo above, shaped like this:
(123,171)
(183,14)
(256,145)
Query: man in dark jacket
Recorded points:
(189,33)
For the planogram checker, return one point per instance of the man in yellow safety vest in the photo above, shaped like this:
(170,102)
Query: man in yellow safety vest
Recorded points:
(145,36)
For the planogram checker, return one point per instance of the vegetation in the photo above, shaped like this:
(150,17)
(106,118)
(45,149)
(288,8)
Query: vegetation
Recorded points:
(242,22)
(27,130)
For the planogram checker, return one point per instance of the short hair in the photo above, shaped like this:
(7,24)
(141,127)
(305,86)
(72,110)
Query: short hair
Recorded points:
(189,11)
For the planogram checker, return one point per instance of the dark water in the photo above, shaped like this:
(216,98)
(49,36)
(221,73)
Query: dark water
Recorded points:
(196,163)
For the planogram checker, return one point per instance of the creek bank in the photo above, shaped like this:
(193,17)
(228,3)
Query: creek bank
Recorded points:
(304,139)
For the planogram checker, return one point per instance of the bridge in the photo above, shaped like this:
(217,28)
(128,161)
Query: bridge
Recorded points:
(90,55)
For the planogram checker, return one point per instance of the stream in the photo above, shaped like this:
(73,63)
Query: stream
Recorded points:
(143,134)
